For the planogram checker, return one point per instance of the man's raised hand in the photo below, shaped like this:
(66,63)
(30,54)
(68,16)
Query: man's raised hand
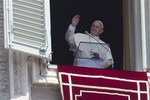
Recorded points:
(75,20)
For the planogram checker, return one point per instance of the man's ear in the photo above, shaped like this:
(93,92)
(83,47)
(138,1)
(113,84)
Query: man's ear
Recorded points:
(101,31)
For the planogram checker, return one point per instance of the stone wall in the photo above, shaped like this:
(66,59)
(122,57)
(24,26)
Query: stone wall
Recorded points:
(4,73)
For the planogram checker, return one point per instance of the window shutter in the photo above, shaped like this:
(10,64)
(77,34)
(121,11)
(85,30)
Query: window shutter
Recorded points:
(27,26)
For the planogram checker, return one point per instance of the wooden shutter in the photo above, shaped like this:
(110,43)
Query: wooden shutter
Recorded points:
(27,26)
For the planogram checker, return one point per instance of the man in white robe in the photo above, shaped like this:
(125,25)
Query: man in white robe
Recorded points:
(89,50)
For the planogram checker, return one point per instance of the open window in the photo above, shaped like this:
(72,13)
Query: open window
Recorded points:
(27,26)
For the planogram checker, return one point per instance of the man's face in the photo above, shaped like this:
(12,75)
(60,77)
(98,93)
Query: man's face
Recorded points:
(96,28)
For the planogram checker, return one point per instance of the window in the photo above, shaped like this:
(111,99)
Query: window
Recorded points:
(27,26)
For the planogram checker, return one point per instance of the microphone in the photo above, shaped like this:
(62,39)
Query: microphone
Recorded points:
(96,40)
(86,32)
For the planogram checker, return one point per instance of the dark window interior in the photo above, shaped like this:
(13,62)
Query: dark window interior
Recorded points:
(108,11)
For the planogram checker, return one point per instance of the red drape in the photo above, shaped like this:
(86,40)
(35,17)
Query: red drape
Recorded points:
(80,83)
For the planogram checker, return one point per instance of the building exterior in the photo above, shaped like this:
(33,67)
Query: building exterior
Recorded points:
(28,76)
(4,69)
(24,75)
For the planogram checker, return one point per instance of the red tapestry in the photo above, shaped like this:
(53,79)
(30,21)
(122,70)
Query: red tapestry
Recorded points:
(81,83)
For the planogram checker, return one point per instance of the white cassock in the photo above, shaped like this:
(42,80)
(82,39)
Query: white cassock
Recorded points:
(84,45)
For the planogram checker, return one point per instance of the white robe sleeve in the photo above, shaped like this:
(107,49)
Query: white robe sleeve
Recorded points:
(109,59)
(74,39)
(69,36)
